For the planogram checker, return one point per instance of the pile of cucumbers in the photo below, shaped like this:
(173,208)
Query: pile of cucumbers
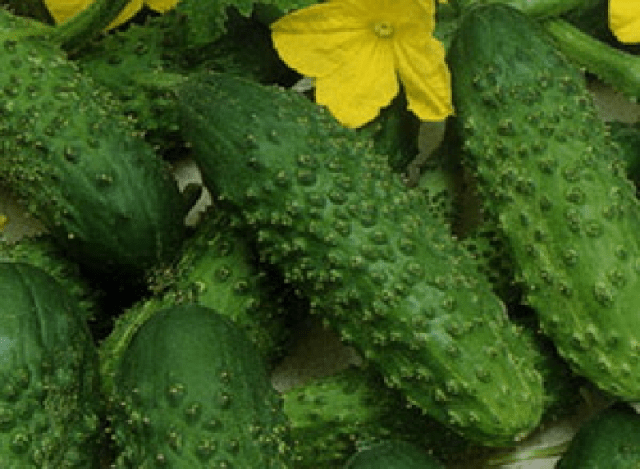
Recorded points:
(131,340)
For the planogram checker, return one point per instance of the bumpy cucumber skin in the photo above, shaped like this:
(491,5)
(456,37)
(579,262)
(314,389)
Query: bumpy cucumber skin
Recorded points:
(545,168)
(192,392)
(345,231)
(393,454)
(609,440)
(49,399)
(134,65)
(78,165)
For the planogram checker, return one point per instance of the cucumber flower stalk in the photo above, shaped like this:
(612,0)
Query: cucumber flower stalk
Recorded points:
(624,20)
(359,50)
(62,10)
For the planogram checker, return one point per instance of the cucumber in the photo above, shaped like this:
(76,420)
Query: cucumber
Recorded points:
(216,268)
(547,172)
(50,404)
(77,164)
(192,392)
(393,455)
(42,252)
(609,440)
(333,416)
(378,267)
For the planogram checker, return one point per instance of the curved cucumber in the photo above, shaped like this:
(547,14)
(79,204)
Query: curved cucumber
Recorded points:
(367,252)
(548,172)
(77,164)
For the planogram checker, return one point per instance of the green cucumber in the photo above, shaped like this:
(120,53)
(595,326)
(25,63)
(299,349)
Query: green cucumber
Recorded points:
(378,267)
(77,164)
(50,402)
(608,440)
(192,392)
(333,416)
(548,174)
(218,269)
(393,454)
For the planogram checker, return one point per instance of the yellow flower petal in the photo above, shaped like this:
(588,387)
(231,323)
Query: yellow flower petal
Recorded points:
(356,92)
(63,10)
(317,40)
(425,77)
(624,20)
(161,6)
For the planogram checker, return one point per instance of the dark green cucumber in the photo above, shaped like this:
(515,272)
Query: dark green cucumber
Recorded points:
(78,165)
(609,440)
(547,171)
(218,269)
(374,263)
(49,399)
(333,416)
(192,392)
(393,454)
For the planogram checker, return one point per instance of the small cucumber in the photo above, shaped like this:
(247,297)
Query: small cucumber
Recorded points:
(192,392)
(331,417)
(216,268)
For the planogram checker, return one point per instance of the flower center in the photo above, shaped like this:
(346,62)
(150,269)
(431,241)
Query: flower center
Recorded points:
(383,29)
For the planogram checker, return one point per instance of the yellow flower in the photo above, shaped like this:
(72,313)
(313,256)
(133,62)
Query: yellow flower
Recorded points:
(62,10)
(624,20)
(358,49)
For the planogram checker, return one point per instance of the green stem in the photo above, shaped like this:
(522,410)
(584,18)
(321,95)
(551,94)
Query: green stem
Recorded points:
(616,68)
(536,8)
(91,21)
